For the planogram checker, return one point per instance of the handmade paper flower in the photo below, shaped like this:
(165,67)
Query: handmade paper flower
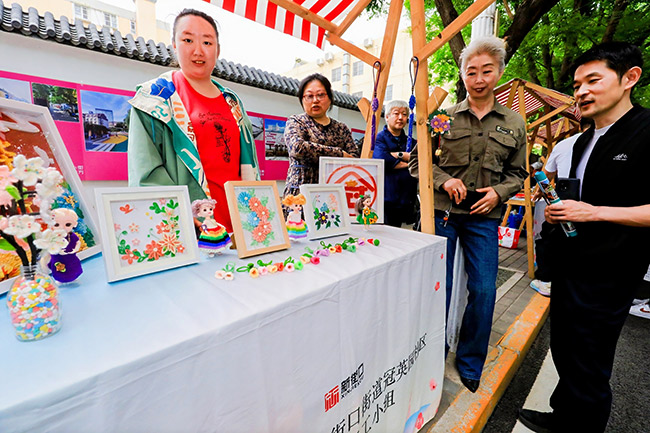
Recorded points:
(46,192)
(6,177)
(5,198)
(272,269)
(266,227)
(338,248)
(229,276)
(254,204)
(154,250)
(243,198)
(332,249)
(129,257)
(180,249)
(134,227)
(352,248)
(253,219)
(28,170)
(117,227)
(325,252)
(258,234)
(299,266)
(220,275)
(263,213)
(135,242)
(324,208)
(290,267)
(361,241)
(22,226)
(315,260)
(254,273)
(52,241)
(169,242)
(263,270)
(280,266)
(163,228)
(67,200)
(304,259)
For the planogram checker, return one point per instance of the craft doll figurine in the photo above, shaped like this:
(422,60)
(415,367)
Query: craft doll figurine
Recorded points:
(296,226)
(65,266)
(213,237)
(365,214)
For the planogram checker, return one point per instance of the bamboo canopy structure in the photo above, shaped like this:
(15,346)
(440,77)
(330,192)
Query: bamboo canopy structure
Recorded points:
(313,20)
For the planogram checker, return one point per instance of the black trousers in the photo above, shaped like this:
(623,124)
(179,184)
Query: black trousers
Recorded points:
(543,252)
(395,214)
(587,317)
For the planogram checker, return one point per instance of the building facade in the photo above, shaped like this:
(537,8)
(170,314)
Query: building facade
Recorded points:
(138,20)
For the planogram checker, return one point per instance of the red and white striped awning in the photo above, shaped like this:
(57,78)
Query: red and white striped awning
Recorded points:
(275,17)
(532,100)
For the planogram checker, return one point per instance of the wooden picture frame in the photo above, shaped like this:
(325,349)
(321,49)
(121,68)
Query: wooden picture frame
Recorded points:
(253,234)
(146,230)
(29,130)
(325,210)
(359,176)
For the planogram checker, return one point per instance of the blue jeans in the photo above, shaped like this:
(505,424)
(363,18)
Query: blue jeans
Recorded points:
(479,239)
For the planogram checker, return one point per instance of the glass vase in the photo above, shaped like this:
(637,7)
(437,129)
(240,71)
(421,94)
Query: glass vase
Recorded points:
(33,302)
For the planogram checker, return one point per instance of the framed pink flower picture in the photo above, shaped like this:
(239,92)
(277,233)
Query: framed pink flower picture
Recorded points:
(145,230)
(257,219)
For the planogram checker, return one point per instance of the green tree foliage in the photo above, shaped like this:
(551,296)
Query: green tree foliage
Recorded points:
(548,46)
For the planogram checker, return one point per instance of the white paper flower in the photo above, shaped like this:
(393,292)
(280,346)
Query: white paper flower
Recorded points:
(51,177)
(45,191)
(22,226)
(52,241)
(28,170)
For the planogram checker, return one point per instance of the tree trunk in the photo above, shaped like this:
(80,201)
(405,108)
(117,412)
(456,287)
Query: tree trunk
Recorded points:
(614,19)
(448,14)
(527,14)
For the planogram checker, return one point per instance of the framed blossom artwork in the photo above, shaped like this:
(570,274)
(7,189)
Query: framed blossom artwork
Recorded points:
(29,130)
(145,230)
(358,177)
(325,210)
(257,219)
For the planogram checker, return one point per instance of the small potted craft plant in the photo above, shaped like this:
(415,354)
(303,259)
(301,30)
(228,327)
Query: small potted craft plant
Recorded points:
(365,214)
(29,228)
(213,237)
(296,226)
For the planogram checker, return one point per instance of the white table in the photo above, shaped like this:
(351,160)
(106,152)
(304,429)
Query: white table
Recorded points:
(179,351)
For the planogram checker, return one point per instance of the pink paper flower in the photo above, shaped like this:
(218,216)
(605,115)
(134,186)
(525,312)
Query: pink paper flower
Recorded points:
(154,250)
(290,267)
(6,177)
(254,204)
(129,257)
(5,198)
(220,275)
(134,228)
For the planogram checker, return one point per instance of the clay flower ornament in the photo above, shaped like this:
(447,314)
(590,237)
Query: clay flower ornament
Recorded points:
(25,212)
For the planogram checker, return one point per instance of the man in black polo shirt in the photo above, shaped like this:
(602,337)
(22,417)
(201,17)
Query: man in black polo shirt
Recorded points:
(597,272)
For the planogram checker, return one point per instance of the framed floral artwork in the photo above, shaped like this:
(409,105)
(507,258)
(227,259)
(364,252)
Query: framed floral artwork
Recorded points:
(145,230)
(29,130)
(325,210)
(257,219)
(359,177)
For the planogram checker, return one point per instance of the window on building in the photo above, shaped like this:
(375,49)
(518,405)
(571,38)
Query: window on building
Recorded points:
(357,68)
(110,20)
(80,12)
(133,27)
(336,74)
(358,94)
(389,93)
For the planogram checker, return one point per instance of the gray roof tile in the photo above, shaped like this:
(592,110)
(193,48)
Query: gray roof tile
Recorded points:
(30,23)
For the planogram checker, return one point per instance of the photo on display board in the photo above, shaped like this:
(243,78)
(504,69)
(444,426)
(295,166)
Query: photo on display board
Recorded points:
(61,101)
(145,230)
(257,218)
(325,210)
(29,130)
(359,177)
(106,120)
(274,145)
(258,127)
(16,90)
(358,136)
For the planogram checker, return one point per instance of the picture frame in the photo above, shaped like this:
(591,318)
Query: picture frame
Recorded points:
(146,230)
(359,176)
(29,129)
(325,210)
(253,234)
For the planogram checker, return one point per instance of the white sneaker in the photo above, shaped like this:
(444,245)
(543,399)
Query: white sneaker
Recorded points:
(640,301)
(641,310)
(541,287)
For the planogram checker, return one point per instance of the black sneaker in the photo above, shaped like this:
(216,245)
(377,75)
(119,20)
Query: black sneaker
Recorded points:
(540,422)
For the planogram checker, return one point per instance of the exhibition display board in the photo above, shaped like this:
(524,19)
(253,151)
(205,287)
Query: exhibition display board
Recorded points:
(351,344)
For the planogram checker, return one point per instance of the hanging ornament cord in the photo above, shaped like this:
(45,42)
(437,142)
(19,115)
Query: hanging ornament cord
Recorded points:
(413,72)
(375,102)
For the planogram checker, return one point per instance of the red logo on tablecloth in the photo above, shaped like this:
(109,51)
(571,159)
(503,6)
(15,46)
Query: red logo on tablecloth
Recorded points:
(331,398)
(357,181)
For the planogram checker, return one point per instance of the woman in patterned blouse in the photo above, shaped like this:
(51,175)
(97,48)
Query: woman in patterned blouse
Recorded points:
(313,134)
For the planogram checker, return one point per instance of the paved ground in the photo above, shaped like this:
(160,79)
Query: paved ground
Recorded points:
(513,296)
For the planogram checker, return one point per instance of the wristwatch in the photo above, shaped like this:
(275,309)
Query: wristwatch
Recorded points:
(400,155)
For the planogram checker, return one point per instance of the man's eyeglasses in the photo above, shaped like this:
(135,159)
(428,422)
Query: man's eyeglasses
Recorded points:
(310,98)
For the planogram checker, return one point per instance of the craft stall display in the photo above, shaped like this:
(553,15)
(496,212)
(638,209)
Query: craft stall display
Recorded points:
(359,177)
(29,130)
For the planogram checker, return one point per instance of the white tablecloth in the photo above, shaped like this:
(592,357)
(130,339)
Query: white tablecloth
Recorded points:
(179,351)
